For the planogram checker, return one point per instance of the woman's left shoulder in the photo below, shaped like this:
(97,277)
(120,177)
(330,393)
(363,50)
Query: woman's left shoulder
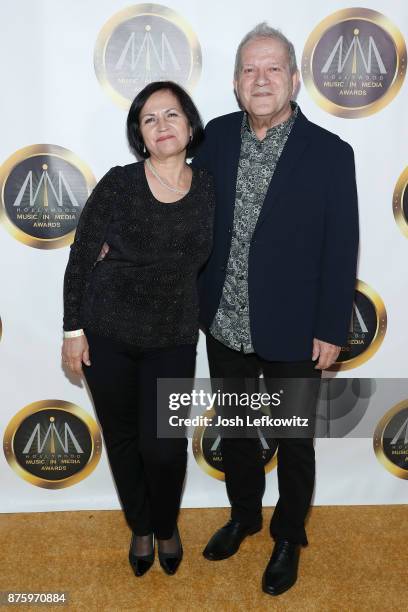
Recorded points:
(133,169)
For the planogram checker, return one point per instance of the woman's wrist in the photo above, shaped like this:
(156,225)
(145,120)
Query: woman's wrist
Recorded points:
(75,333)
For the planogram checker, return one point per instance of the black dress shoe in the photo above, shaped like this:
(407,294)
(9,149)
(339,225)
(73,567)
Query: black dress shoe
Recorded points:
(171,560)
(281,572)
(227,540)
(141,563)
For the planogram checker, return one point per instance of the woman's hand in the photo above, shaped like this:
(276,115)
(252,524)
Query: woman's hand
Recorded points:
(103,253)
(74,352)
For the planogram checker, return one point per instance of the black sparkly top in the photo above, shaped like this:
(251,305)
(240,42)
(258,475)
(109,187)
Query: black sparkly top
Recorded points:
(145,290)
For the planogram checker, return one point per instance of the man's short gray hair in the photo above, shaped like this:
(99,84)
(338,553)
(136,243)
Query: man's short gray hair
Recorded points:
(263,30)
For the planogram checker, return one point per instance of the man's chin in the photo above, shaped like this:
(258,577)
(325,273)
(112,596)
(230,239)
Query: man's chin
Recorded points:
(262,110)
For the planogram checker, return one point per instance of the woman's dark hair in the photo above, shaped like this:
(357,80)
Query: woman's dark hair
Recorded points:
(134,133)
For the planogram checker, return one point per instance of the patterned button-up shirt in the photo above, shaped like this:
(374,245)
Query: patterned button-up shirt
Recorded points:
(257,163)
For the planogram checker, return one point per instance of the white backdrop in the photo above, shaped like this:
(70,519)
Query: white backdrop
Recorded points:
(51,95)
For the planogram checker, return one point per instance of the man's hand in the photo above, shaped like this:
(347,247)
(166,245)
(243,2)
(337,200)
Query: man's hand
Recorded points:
(74,352)
(326,352)
(104,251)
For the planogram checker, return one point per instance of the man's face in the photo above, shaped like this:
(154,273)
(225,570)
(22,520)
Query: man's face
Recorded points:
(265,85)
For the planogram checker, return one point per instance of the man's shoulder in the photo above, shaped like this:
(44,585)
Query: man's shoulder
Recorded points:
(227,121)
(322,136)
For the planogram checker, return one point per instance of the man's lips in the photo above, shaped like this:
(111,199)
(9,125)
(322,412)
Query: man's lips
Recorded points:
(164,138)
(262,94)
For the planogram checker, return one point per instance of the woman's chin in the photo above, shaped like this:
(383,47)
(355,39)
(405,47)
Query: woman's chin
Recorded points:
(169,149)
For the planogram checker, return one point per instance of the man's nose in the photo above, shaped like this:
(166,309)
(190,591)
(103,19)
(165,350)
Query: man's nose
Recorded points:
(262,77)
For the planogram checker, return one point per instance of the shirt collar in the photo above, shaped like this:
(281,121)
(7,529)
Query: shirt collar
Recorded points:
(281,127)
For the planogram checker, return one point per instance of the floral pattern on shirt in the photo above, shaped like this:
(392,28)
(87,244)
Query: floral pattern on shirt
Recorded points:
(257,163)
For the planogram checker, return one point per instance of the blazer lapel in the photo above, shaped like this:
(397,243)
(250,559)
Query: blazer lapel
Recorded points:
(292,152)
(230,171)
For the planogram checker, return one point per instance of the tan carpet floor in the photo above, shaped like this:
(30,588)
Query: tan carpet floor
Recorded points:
(357,560)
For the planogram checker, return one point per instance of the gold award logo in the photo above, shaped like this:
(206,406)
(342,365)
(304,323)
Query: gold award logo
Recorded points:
(354,62)
(43,191)
(391,440)
(52,444)
(208,455)
(145,43)
(400,202)
(367,328)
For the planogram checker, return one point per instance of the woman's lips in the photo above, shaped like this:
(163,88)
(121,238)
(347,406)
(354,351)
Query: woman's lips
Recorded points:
(164,138)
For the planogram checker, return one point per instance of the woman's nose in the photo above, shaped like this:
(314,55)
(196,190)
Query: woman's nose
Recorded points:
(162,123)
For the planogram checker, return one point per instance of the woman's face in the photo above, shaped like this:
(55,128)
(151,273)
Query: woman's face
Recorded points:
(164,126)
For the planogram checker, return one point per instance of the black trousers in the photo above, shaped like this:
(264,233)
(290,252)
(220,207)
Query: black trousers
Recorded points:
(148,471)
(243,466)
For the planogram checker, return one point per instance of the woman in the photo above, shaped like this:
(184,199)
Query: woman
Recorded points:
(133,317)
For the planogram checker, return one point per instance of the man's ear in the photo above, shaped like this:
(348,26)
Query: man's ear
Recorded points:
(295,82)
(235,86)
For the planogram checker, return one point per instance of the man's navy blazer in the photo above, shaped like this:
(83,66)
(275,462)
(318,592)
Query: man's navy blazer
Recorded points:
(303,253)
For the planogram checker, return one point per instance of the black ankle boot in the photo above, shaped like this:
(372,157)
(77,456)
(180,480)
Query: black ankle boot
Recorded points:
(281,572)
(226,541)
(171,560)
(141,563)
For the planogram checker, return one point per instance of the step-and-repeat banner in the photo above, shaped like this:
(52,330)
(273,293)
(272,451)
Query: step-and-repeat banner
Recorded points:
(70,70)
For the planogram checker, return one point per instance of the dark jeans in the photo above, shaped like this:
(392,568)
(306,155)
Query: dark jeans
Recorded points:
(149,472)
(243,467)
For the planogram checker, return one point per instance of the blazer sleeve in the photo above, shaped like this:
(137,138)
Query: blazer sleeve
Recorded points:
(205,155)
(89,238)
(340,250)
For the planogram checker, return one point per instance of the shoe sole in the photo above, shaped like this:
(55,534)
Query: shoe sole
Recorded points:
(279,591)
(221,558)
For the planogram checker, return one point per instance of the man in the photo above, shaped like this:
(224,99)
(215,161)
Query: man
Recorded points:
(277,292)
